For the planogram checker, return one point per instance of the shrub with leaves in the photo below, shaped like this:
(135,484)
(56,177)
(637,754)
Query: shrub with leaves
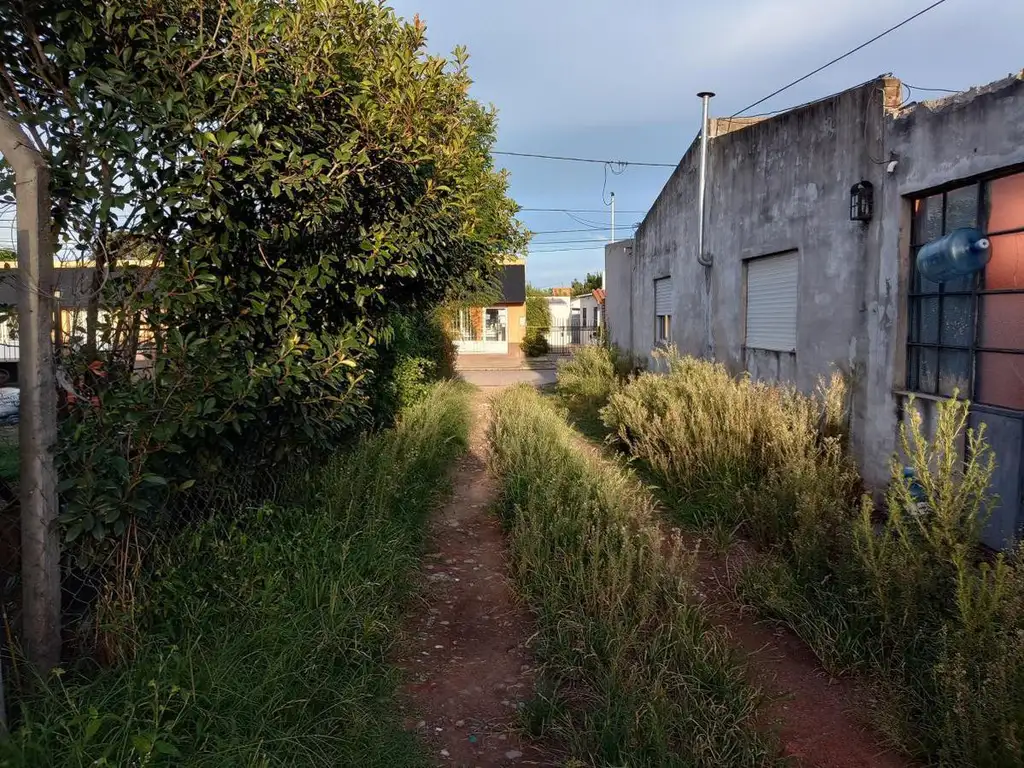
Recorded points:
(259,187)
(538,323)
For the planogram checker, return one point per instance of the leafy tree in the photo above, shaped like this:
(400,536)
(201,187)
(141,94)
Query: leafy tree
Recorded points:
(538,321)
(589,284)
(532,290)
(261,187)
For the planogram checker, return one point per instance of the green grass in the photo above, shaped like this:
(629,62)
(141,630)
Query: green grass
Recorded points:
(10,461)
(265,643)
(633,672)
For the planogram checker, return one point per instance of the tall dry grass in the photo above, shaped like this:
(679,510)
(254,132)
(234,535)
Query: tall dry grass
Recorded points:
(902,594)
(633,672)
(710,437)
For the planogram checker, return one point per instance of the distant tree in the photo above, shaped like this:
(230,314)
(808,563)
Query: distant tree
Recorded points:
(538,319)
(532,290)
(592,281)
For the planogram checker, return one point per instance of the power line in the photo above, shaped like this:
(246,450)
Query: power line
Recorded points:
(934,90)
(566,231)
(780,110)
(553,248)
(620,163)
(572,210)
(569,250)
(583,221)
(570,242)
(852,51)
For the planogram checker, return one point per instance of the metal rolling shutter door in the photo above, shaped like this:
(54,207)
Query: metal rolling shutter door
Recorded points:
(663,296)
(772,284)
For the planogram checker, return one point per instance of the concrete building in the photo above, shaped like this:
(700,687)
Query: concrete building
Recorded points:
(560,312)
(588,308)
(800,285)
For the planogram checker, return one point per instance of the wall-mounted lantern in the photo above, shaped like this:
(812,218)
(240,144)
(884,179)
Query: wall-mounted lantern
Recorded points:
(862,201)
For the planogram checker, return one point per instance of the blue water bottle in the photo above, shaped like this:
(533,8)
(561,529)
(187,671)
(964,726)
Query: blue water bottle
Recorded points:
(918,495)
(962,252)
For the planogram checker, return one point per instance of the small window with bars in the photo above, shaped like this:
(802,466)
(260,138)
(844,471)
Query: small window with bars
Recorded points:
(967,335)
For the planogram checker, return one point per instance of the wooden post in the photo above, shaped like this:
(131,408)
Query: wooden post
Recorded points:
(40,548)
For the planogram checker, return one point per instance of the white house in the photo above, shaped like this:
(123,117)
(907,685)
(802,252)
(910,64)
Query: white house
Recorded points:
(588,309)
(560,309)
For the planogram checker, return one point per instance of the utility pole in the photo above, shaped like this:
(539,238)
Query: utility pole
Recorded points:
(613,217)
(605,267)
(40,549)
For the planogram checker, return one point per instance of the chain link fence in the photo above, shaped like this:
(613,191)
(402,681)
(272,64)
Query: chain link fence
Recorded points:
(103,601)
(100,597)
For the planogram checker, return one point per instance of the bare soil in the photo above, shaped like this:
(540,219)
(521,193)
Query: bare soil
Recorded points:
(822,721)
(466,656)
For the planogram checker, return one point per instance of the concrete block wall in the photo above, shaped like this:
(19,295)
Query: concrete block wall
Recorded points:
(775,185)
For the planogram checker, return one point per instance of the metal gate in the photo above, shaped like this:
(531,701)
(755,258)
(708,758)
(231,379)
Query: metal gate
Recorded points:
(566,339)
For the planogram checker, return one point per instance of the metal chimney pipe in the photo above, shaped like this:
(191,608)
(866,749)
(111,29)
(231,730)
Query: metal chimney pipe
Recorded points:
(703,258)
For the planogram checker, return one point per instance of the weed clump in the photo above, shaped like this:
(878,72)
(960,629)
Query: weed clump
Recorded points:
(633,672)
(903,594)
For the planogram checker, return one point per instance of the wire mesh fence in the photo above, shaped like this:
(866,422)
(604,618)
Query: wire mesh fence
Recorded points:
(103,602)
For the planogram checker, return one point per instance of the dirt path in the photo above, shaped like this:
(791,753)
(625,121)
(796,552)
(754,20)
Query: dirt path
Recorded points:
(822,721)
(466,658)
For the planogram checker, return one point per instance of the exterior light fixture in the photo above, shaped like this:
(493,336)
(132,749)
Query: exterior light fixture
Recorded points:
(862,201)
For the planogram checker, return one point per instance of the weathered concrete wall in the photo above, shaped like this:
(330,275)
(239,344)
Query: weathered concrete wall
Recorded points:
(784,184)
(770,365)
(936,144)
(776,185)
(618,281)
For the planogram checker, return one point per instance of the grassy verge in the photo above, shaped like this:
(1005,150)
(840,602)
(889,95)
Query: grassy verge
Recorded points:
(265,644)
(9,458)
(903,597)
(586,381)
(634,674)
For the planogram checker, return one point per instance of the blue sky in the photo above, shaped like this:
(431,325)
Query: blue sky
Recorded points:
(598,78)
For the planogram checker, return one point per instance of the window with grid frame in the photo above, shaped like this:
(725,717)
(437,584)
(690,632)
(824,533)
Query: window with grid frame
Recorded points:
(968,334)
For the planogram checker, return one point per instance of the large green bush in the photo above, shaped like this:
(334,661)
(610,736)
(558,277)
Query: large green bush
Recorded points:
(265,185)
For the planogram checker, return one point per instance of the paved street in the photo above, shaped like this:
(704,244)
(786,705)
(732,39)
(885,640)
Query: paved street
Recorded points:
(509,376)
(492,371)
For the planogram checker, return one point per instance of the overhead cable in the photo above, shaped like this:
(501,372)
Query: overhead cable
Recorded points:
(933,90)
(849,53)
(572,210)
(620,163)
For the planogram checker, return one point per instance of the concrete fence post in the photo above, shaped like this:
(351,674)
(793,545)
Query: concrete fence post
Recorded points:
(40,547)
